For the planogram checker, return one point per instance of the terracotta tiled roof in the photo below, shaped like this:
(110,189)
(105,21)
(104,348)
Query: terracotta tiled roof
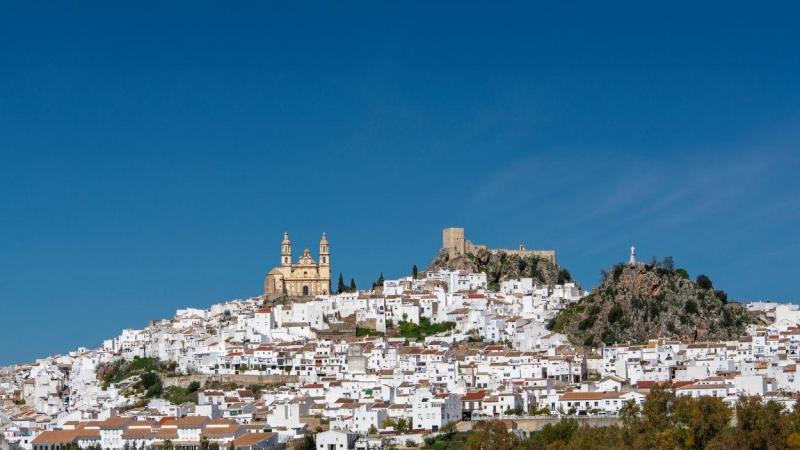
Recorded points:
(477,395)
(251,439)
(567,396)
(55,437)
(115,423)
(192,422)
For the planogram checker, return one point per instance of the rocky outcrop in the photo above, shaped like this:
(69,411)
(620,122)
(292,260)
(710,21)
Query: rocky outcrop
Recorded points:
(637,302)
(500,266)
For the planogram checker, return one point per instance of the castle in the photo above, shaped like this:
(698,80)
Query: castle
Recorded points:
(454,242)
(304,278)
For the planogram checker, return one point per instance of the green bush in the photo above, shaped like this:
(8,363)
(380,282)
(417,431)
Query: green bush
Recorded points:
(368,332)
(704,282)
(617,272)
(425,328)
(587,323)
(615,313)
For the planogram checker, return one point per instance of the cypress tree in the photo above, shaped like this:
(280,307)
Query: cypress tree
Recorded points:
(341,288)
(352,284)
(414,271)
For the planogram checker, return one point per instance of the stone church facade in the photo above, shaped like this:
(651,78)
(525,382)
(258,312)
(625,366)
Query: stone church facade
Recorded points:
(305,278)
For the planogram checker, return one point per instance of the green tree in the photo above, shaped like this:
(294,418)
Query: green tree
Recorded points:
(656,407)
(390,422)
(760,424)
(615,313)
(490,435)
(341,287)
(629,414)
(148,379)
(401,423)
(353,285)
(563,276)
(699,421)
(309,443)
(168,444)
(704,282)
(555,435)
(414,272)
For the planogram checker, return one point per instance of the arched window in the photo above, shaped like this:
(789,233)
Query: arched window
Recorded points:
(305,291)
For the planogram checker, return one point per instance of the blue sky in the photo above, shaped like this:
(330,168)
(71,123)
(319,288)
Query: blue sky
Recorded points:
(152,154)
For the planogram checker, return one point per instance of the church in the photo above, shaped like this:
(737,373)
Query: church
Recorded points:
(305,278)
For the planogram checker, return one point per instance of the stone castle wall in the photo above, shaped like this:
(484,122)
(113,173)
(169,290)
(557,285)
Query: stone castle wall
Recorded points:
(455,243)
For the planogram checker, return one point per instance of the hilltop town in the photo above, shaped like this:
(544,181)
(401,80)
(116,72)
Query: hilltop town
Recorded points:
(406,360)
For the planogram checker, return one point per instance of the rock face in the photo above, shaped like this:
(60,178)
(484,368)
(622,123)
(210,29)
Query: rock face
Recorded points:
(640,301)
(500,266)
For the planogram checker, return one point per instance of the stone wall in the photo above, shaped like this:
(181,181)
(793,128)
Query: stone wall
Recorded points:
(243,380)
(454,241)
(536,423)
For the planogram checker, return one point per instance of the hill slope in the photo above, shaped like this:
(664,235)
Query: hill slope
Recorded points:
(638,302)
(500,266)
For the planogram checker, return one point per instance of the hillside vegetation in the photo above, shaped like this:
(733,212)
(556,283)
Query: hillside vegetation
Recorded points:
(637,302)
(500,266)
(665,421)
(141,377)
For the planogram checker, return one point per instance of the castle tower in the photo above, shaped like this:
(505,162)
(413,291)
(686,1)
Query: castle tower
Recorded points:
(286,250)
(632,258)
(454,242)
(324,256)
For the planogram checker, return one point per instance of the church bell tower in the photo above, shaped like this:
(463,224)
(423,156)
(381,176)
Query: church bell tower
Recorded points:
(324,256)
(286,250)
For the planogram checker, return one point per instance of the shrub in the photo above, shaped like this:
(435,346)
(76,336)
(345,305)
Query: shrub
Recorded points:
(704,282)
(615,313)
(587,323)
(690,307)
(564,276)
(149,379)
(607,337)
(617,272)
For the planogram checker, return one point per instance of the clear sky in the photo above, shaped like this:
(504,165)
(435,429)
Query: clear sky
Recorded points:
(152,154)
